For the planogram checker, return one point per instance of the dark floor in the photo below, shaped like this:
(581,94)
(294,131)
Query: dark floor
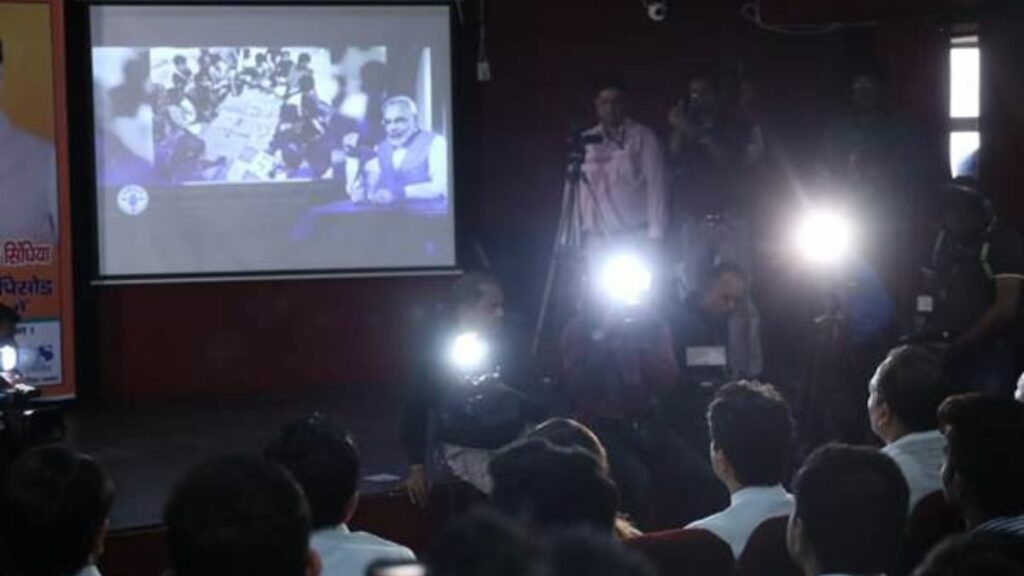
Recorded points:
(147,449)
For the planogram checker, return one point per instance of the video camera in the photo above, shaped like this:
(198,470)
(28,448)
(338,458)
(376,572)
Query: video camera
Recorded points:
(478,404)
(25,420)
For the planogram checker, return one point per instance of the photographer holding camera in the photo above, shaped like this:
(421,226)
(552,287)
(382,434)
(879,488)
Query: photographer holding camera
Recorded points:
(466,399)
(973,291)
(618,364)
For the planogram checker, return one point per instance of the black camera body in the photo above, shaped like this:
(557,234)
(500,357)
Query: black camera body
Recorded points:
(25,419)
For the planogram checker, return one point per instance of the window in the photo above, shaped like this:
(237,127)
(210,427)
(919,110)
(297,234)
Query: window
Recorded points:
(964,105)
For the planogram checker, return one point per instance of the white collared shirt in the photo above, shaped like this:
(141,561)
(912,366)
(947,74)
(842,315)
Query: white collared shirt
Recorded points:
(28,186)
(919,456)
(625,184)
(346,553)
(749,507)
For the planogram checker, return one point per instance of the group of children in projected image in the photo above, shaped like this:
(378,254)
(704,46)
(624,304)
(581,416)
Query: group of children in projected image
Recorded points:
(244,114)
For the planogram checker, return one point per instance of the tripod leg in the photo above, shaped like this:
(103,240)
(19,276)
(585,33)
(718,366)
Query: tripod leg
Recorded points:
(563,238)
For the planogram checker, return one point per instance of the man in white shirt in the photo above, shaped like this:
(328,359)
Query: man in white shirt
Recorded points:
(624,189)
(323,459)
(28,181)
(903,401)
(984,471)
(55,512)
(751,430)
(851,508)
(409,164)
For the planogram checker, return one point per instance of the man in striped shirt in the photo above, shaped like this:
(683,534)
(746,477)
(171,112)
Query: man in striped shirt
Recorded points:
(984,470)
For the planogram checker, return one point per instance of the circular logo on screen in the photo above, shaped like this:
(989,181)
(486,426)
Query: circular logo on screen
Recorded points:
(133,200)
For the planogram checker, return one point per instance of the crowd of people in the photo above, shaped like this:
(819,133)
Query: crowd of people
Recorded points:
(656,420)
(553,506)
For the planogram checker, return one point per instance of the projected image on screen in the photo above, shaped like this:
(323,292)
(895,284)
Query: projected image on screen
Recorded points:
(325,150)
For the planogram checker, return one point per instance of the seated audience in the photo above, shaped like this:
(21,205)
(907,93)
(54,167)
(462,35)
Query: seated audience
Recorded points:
(751,434)
(568,433)
(904,398)
(851,507)
(976,554)
(547,487)
(984,470)
(324,461)
(54,514)
(483,544)
(585,553)
(239,515)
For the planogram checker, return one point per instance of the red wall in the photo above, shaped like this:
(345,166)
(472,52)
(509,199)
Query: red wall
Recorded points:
(161,342)
(214,340)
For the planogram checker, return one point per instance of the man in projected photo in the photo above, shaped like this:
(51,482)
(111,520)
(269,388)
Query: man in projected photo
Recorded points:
(28,180)
(410,163)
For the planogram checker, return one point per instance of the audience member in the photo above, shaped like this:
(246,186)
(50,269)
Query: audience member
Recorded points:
(547,487)
(585,553)
(751,435)
(325,462)
(568,433)
(483,544)
(984,470)
(239,515)
(54,514)
(904,398)
(977,554)
(851,505)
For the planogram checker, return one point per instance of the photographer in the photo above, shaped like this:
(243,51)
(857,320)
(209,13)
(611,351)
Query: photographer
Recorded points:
(9,320)
(973,285)
(617,365)
(716,143)
(700,327)
(465,401)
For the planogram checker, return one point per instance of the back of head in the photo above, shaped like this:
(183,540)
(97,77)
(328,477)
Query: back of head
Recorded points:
(322,457)
(55,508)
(585,553)
(750,423)
(975,554)
(852,504)
(550,487)
(482,544)
(986,440)
(568,433)
(911,381)
(237,515)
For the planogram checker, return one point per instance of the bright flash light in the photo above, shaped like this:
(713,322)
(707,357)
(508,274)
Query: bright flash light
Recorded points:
(824,237)
(625,278)
(469,352)
(8,358)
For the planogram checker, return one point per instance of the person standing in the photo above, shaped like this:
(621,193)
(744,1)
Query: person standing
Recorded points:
(623,189)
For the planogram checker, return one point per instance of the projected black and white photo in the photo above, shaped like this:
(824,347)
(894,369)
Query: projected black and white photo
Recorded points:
(276,152)
(259,114)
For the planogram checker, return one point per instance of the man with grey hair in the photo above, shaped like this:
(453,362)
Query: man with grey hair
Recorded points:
(28,180)
(409,164)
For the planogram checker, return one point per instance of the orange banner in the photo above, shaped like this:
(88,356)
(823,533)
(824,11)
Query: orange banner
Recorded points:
(35,233)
